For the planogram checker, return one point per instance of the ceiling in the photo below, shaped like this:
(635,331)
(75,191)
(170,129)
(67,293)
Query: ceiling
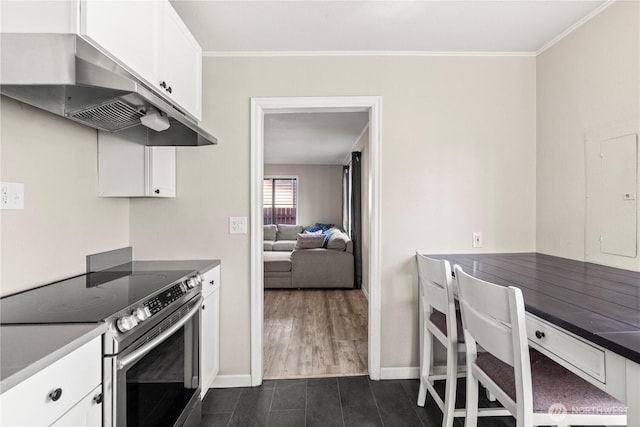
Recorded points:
(311,138)
(385,27)
(340,27)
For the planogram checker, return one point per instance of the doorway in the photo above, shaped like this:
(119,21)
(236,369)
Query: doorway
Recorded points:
(260,107)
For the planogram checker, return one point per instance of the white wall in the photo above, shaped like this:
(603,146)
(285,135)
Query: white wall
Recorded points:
(63,220)
(587,84)
(319,191)
(458,155)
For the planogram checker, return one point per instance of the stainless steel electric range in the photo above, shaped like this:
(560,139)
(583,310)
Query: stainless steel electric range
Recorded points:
(150,351)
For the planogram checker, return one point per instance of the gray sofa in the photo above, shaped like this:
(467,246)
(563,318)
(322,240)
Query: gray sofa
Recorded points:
(286,265)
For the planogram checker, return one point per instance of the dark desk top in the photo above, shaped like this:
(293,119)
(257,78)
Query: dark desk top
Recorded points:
(595,302)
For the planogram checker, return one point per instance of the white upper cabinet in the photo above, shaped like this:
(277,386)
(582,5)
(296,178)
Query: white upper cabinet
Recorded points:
(161,170)
(146,37)
(127,169)
(150,39)
(127,30)
(180,62)
(55,17)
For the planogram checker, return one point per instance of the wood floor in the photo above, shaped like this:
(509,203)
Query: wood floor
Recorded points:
(314,333)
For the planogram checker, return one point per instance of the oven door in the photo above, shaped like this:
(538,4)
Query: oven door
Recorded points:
(157,379)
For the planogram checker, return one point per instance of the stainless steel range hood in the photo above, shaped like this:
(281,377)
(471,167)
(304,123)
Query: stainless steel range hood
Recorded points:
(65,75)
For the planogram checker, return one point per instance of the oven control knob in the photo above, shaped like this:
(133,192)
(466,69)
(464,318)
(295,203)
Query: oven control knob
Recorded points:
(141,313)
(126,323)
(184,287)
(191,282)
(200,278)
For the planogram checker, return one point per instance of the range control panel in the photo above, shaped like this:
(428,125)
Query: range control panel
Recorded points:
(162,300)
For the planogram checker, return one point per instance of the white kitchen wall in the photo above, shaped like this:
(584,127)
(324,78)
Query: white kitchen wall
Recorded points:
(319,191)
(587,84)
(458,155)
(63,218)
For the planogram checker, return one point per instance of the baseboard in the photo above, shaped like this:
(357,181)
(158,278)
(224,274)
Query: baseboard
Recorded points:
(408,373)
(231,381)
(365,292)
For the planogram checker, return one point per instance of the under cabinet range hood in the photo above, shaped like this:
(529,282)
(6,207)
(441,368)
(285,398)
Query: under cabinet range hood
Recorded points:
(65,75)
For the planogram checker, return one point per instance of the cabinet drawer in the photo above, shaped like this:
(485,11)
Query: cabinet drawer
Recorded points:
(87,412)
(76,374)
(569,348)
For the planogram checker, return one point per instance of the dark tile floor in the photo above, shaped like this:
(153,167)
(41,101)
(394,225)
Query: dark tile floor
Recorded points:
(326,402)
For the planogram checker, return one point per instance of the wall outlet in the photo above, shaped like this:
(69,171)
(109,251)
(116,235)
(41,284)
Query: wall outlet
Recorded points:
(11,195)
(477,239)
(237,225)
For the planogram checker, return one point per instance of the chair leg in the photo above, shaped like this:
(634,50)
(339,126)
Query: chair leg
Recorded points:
(450,387)
(425,365)
(471,418)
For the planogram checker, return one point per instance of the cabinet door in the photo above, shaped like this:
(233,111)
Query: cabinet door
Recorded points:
(126,169)
(210,332)
(211,281)
(161,171)
(121,167)
(127,30)
(180,63)
(88,412)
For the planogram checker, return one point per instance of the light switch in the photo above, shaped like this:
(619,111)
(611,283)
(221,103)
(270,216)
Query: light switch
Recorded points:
(237,225)
(11,195)
(477,239)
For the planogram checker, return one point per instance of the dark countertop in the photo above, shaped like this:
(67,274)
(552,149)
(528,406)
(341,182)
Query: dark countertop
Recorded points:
(27,349)
(598,303)
(199,265)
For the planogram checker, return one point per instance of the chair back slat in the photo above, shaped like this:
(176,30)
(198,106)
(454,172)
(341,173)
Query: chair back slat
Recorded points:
(486,315)
(493,336)
(434,277)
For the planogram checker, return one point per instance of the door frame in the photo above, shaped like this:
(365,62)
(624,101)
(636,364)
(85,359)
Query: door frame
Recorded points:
(262,106)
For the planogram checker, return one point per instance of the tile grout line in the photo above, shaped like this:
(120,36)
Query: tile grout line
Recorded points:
(306,400)
(340,400)
(376,401)
(235,406)
(273,394)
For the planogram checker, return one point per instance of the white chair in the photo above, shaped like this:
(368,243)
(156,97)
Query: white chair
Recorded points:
(535,389)
(437,308)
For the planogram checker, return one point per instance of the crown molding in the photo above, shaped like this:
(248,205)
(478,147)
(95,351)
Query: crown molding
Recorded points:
(215,54)
(575,26)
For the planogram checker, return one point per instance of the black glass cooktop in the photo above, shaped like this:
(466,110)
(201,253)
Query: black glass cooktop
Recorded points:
(88,298)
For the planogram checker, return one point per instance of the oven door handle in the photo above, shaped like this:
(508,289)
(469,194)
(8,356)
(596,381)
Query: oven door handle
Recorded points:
(137,354)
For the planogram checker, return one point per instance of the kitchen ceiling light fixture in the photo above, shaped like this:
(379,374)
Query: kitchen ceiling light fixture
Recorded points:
(155,120)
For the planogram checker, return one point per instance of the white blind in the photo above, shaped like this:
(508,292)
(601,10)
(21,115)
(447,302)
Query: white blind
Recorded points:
(280,200)
(285,194)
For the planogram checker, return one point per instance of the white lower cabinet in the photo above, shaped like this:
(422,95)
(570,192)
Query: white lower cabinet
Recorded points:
(210,330)
(87,412)
(60,394)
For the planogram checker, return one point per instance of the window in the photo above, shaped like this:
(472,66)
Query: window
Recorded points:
(280,200)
